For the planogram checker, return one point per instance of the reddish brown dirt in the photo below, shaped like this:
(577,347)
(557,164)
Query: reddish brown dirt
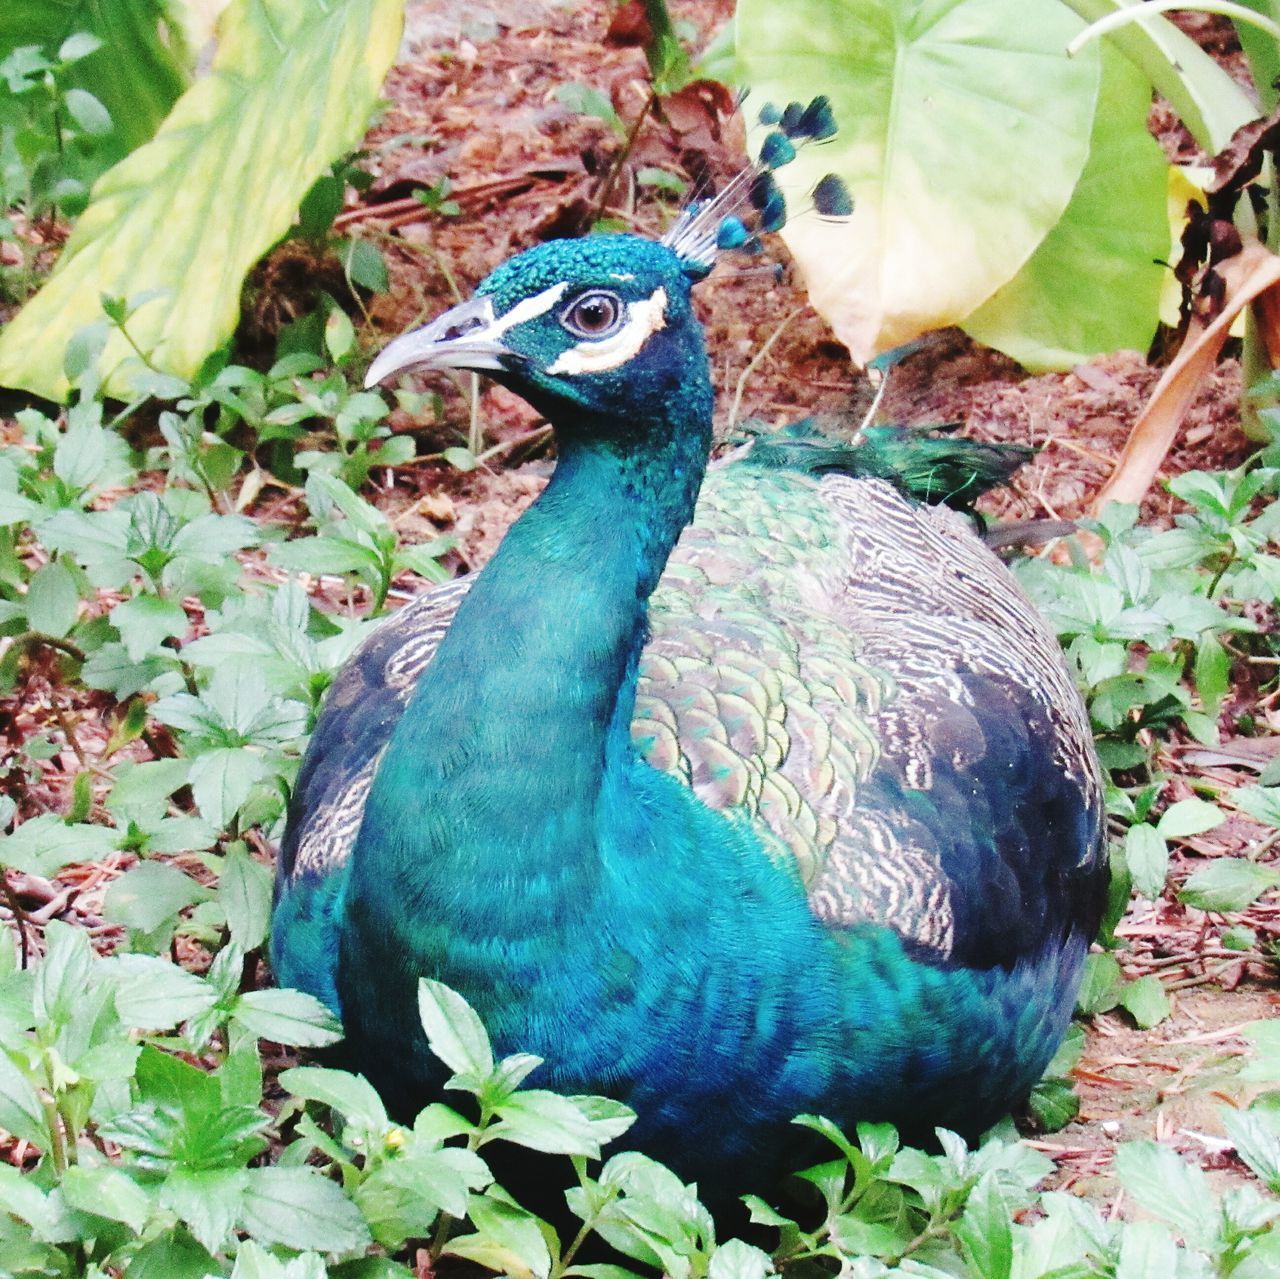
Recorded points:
(474,100)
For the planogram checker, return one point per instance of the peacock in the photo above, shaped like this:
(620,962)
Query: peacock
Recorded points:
(732,791)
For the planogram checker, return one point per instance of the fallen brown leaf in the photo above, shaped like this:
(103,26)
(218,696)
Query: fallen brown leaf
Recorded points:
(1247,276)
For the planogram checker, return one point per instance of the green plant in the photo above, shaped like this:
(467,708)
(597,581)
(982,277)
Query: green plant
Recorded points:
(1161,614)
(49,134)
(959,217)
(147,595)
(89,1057)
(133,57)
(231,136)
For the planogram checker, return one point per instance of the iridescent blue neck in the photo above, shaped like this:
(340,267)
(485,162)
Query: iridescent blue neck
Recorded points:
(492,815)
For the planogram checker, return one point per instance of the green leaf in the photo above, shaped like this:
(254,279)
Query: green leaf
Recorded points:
(149,894)
(545,1121)
(507,1239)
(172,1255)
(1115,229)
(461,459)
(365,265)
(64,976)
(1054,1102)
(1228,883)
(244,892)
(404,1195)
(207,1201)
(585,99)
(735,1259)
(290,89)
(1173,1190)
(1148,857)
(1265,1038)
(1147,1249)
(21,1111)
(301,1208)
(16,509)
(339,335)
(1260,802)
(287,1017)
(53,600)
(326,492)
(253,1262)
(1256,1143)
(1145,1000)
(1213,673)
(1100,986)
(107,1192)
(221,780)
(46,1214)
(603,1270)
(986,1231)
(130,55)
(352,1096)
(328,554)
(147,620)
(454,1032)
(156,994)
(1189,817)
(88,113)
(963,130)
(45,844)
(371,1268)
(78,46)
(858,1238)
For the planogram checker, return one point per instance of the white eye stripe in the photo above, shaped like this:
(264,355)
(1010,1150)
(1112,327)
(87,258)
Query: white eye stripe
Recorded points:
(644,319)
(529,309)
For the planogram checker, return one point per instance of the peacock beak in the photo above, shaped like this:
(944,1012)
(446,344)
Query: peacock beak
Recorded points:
(464,337)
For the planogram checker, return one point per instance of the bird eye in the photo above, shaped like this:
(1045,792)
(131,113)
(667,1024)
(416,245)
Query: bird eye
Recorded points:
(593,314)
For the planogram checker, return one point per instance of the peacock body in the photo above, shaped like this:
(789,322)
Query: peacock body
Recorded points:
(732,793)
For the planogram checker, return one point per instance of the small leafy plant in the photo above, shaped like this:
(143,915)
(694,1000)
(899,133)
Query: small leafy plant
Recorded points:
(149,1164)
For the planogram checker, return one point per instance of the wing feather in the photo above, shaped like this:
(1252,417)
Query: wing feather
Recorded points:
(853,674)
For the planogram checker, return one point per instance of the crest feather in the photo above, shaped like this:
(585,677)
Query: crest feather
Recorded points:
(752,203)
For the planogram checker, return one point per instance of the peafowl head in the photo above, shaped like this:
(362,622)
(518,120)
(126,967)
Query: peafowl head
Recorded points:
(602,330)
(599,328)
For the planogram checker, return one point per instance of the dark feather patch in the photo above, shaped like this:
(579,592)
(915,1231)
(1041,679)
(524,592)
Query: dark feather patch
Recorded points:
(817,121)
(776,150)
(831,198)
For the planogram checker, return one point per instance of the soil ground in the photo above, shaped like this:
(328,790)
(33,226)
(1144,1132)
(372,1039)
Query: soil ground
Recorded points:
(474,100)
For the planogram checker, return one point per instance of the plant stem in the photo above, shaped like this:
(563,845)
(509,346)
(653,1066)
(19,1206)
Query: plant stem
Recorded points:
(128,337)
(1218,576)
(1122,18)
(605,189)
(755,360)
(668,63)
(19,918)
(57,1144)
(1207,100)
(29,639)
(475,437)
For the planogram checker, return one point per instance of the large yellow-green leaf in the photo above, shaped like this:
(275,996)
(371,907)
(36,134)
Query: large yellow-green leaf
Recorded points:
(137,74)
(963,130)
(290,89)
(1094,283)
